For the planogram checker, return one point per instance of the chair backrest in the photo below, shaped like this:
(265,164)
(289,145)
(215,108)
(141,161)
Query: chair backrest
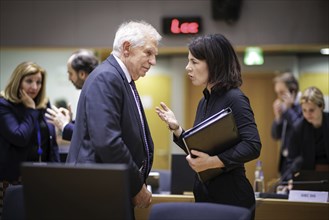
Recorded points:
(13,203)
(160,181)
(82,191)
(197,211)
(182,175)
(165,180)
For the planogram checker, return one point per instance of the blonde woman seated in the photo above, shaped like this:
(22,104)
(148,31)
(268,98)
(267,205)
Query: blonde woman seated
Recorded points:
(310,139)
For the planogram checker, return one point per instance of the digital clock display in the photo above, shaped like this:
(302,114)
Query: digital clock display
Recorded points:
(181,25)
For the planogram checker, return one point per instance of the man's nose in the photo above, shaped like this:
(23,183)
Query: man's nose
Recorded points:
(152,60)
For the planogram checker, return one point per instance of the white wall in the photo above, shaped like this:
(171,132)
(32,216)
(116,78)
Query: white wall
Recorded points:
(314,64)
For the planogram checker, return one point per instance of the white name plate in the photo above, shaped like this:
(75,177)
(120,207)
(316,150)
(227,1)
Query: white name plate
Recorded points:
(308,196)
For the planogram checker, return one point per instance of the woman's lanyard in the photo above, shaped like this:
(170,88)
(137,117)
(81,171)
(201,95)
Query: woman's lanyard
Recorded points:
(37,126)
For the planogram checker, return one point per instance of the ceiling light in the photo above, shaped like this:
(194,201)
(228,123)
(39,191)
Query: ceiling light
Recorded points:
(324,51)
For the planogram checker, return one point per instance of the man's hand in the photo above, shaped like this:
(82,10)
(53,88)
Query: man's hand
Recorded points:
(288,100)
(143,199)
(58,117)
(277,109)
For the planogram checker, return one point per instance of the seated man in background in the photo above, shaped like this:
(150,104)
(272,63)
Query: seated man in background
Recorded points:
(80,64)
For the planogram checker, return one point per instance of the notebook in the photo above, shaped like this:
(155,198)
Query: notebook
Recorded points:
(86,191)
(212,136)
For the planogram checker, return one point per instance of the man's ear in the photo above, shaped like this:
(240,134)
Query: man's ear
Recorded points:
(82,74)
(126,47)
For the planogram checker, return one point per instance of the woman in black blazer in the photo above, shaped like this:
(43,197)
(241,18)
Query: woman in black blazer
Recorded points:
(213,64)
(310,138)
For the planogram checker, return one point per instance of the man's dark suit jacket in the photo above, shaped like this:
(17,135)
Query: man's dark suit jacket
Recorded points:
(108,127)
(68,131)
(278,132)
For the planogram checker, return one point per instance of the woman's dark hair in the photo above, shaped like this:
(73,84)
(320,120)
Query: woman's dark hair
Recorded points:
(84,60)
(223,64)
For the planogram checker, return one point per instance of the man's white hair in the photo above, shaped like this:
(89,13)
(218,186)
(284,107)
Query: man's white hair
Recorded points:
(135,32)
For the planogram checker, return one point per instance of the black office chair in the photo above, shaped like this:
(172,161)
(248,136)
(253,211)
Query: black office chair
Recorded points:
(165,180)
(197,211)
(13,203)
(160,181)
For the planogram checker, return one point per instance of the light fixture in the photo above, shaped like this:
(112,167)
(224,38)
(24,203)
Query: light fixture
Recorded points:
(253,56)
(324,51)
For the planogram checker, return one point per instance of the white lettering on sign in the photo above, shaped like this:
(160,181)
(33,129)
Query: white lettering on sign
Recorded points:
(308,196)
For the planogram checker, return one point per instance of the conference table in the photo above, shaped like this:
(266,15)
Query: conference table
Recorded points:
(267,209)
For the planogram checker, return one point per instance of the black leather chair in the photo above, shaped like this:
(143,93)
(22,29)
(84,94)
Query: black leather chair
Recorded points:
(197,211)
(13,203)
(160,181)
(165,180)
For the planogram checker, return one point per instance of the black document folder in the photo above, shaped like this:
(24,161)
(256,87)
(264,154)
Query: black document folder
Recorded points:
(212,136)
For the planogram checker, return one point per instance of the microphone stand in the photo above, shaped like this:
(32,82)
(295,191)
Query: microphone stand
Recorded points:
(306,182)
(295,166)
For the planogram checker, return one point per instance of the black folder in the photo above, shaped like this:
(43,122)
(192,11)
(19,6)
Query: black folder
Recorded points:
(212,136)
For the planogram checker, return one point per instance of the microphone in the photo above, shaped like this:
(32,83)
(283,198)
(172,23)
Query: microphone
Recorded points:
(306,182)
(294,167)
(296,164)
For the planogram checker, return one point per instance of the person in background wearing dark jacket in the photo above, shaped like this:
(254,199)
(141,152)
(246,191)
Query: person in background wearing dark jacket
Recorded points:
(310,138)
(24,133)
(287,111)
(213,64)
(79,65)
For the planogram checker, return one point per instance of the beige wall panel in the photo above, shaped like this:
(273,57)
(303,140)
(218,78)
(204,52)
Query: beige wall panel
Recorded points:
(153,89)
